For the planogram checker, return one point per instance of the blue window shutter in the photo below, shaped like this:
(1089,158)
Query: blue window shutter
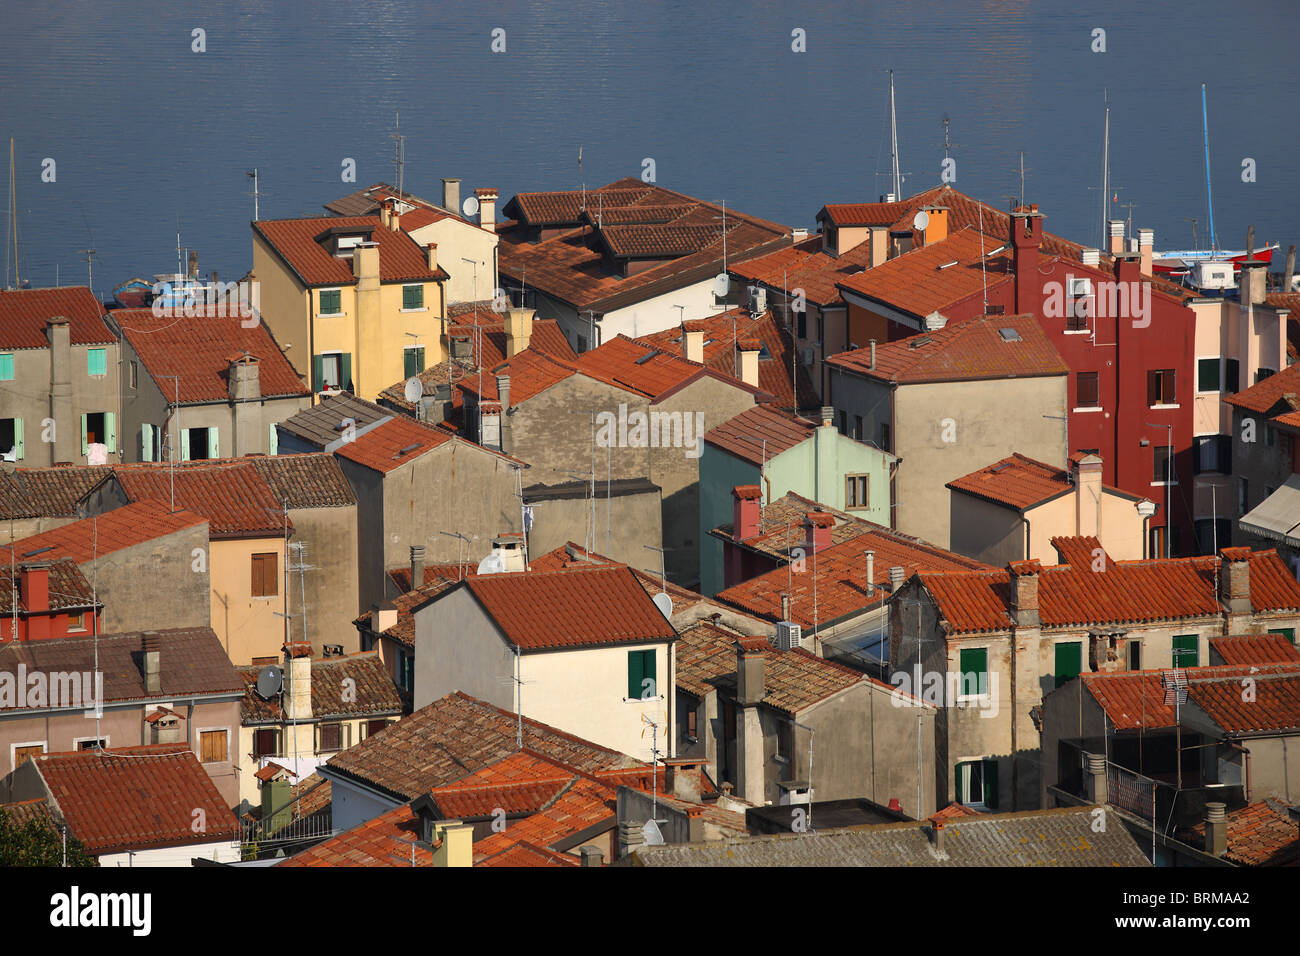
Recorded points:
(7,367)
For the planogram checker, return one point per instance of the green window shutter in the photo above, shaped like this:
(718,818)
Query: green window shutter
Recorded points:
(7,367)
(991,784)
(185,444)
(1069,662)
(331,302)
(273,443)
(110,428)
(18,439)
(974,671)
(634,674)
(146,443)
(959,786)
(1287,632)
(408,363)
(85,445)
(648,673)
(345,371)
(214,449)
(317,372)
(1189,646)
(412,297)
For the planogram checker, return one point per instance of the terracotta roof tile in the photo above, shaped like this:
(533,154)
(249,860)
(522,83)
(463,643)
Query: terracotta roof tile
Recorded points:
(372,692)
(644,369)
(864,213)
(1136,699)
(230,492)
(390,839)
(523,782)
(24,812)
(312,480)
(200,350)
(1258,834)
(1274,398)
(24,312)
(392,444)
(582,804)
(124,527)
(48,492)
(295,240)
(1255,649)
(1017,481)
(805,267)
(962,352)
(68,587)
(523,854)
(743,435)
(135,798)
(531,373)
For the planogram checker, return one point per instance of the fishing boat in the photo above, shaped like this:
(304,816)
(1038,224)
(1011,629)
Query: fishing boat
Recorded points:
(134,293)
(1183,262)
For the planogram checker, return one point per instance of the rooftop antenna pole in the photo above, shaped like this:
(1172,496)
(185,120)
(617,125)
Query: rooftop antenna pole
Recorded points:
(90,268)
(13,220)
(252,174)
(397,152)
(1209,192)
(1105,172)
(582,178)
(893,141)
(663,576)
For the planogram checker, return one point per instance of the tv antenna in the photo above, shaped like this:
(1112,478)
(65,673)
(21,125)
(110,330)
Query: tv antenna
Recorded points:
(252,174)
(460,554)
(399,152)
(519,682)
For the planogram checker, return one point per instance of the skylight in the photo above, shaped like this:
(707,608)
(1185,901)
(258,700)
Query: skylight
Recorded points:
(1009,335)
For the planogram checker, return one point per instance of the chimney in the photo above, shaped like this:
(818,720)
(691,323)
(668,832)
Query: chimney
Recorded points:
(749,349)
(1096,781)
(1091,257)
(365,262)
(1254,277)
(1026,237)
(519,330)
(936,837)
(451,194)
(151,648)
(630,837)
(1234,585)
(394,217)
(879,246)
(695,824)
(194,264)
(243,380)
(431,255)
(937,229)
(455,846)
(58,331)
(487,208)
(817,527)
(693,342)
(506,433)
(1146,242)
(749,670)
(828,415)
(417,566)
(871,572)
(510,546)
(1216,828)
(872,366)
(1116,232)
(1024,592)
(746,510)
(1128,270)
(1289,273)
(895,580)
(298,689)
(1087,495)
(386,213)
(592,856)
(35,582)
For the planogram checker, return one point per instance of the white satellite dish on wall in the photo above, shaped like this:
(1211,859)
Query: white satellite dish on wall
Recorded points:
(665,604)
(414,389)
(492,564)
(921,220)
(470,205)
(721,283)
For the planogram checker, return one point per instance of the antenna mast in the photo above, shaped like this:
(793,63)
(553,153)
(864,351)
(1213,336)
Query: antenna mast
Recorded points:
(1209,193)
(893,141)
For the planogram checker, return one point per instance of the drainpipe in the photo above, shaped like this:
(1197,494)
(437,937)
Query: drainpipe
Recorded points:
(1028,537)
(1245,760)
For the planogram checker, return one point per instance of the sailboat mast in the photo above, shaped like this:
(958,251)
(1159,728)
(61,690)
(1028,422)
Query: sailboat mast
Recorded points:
(893,141)
(1105,177)
(13,223)
(1209,193)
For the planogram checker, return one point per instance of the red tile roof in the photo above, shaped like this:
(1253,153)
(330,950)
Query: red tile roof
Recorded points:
(68,588)
(24,312)
(1136,699)
(51,492)
(531,373)
(583,804)
(804,267)
(123,527)
(864,213)
(1255,649)
(200,350)
(773,372)
(1258,834)
(527,854)
(954,811)
(136,798)
(1017,481)
(524,782)
(390,839)
(643,369)
(401,259)
(966,351)
(231,493)
(543,610)
(1276,398)
(371,693)
(392,444)
(759,431)
(1127,592)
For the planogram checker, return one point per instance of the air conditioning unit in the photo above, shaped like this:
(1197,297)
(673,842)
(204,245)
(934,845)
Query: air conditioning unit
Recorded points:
(1214,275)
(788,635)
(1080,286)
(806,355)
(757,299)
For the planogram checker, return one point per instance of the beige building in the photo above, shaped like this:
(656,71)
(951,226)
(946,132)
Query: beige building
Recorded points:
(1012,509)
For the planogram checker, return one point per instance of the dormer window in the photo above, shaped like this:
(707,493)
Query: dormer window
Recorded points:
(345,244)
(828,238)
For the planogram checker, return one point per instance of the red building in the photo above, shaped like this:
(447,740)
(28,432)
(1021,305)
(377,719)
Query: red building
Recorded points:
(54,599)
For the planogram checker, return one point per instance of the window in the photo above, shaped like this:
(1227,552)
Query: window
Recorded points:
(198,444)
(691,725)
(332,371)
(412,360)
(331,738)
(1087,390)
(844,423)
(1069,661)
(977,783)
(1160,387)
(375,726)
(1212,535)
(1231,375)
(133,374)
(1207,375)
(1243,498)
(22,753)
(266,743)
(6,366)
(973,679)
(1186,650)
(885,437)
(1287,632)
(1263,373)
(413,296)
(1162,466)
(785,741)
(1213,453)
(1076,304)
(1134,655)
(98,428)
(11,439)
(266,576)
(803,325)
(855,491)
(77,622)
(406,671)
(96,361)
(331,301)
(95,743)
(857,427)
(641,684)
(212,746)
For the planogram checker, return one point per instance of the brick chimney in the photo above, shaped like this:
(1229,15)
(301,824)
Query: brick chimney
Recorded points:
(746,505)
(243,380)
(35,582)
(1026,237)
(1216,828)
(1234,587)
(519,330)
(1128,271)
(1024,592)
(749,349)
(817,527)
(431,256)
(1087,495)
(1146,243)
(1116,231)
(417,566)
(298,687)
(750,670)
(451,194)
(1252,282)
(693,342)
(487,208)
(151,659)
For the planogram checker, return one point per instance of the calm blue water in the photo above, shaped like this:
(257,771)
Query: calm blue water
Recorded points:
(144,131)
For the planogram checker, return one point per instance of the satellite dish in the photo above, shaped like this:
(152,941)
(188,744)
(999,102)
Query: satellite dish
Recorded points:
(414,390)
(721,283)
(269,681)
(921,220)
(652,835)
(470,205)
(492,564)
(665,604)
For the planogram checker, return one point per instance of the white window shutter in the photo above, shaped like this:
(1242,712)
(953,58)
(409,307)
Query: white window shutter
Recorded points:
(146,442)
(185,444)
(273,444)
(85,445)
(18,439)
(110,429)
(214,450)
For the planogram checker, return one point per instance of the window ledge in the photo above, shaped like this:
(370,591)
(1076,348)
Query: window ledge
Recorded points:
(1163,484)
(330,315)
(1078,331)
(1163,407)
(422,308)
(1090,408)
(642,700)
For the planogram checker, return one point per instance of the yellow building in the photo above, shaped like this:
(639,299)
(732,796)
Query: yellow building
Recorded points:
(350,299)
